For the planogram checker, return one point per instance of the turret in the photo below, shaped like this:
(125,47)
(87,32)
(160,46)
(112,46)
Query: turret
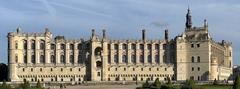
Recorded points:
(205,25)
(188,23)
(143,35)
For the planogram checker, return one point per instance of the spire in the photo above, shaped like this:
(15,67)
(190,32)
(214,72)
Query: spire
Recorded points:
(104,33)
(143,34)
(205,25)
(188,19)
(93,32)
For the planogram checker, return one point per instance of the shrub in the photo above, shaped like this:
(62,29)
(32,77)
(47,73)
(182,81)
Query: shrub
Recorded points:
(236,84)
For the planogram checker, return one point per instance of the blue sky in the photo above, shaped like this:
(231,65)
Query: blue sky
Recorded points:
(123,19)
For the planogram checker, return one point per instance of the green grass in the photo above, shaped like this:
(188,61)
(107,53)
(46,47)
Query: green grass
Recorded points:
(216,86)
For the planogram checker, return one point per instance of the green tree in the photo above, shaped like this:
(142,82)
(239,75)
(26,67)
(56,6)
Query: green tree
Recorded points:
(236,84)
(156,84)
(5,86)
(189,84)
(168,85)
(146,85)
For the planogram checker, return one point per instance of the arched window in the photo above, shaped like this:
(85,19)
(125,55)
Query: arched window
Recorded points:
(16,58)
(62,59)
(71,46)
(42,44)
(115,46)
(133,46)
(71,59)
(53,59)
(124,58)
(133,58)
(149,59)
(149,46)
(124,46)
(141,58)
(116,58)
(25,58)
(52,46)
(198,59)
(33,59)
(33,44)
(141,46)
(80,59)
(42,59)
(16,44)
(156,46)
(192,59)
(24,44)
(157,58)
(62,46)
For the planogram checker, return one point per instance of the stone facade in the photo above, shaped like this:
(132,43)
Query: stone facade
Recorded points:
(192,55)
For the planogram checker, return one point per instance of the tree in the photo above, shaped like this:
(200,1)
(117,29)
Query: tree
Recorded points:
(189,84)
(146,84)
(236,84)
(5,86)
(3,72)
(156,84)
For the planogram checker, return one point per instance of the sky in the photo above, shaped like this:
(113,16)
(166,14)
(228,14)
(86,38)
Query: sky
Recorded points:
(122,19)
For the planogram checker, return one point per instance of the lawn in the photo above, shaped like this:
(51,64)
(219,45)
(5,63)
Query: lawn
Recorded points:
(216,86)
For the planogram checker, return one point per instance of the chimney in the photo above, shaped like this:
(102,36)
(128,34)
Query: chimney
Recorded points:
(104,33)
(166,34)
(143,34)
(93,32)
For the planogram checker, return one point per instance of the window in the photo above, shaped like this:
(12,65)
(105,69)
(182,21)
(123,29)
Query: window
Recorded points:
(53,59)
(150,69)
(115,46)
(124,46)
(141,69)
(31,69)
(109,58)
(62,46)
(115,69)
(192,45)
(16,45)
(124,69)
(62,59)
(80,61)
(23,69)
(198,68)
(116,58)
(42,59)
(198,45)
(133,46)
(149,46)
(149,59)
(79,46)
(41,69)
(61,69)
(141,46)
(42,44)
(157,58)
(33,44)
(165,69)
(16,58)
(79,69)
(141,58)
(157,69)
(71,59)
(51,69)
(72,47)
(25,58)
(24,44)
(133,69)
(198,60)
(70,69)
(156,46)
(33,59)
(133,58)
(124,58)
(108,69)
(198,77)
(192,68)
(52,46)
(192,59)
